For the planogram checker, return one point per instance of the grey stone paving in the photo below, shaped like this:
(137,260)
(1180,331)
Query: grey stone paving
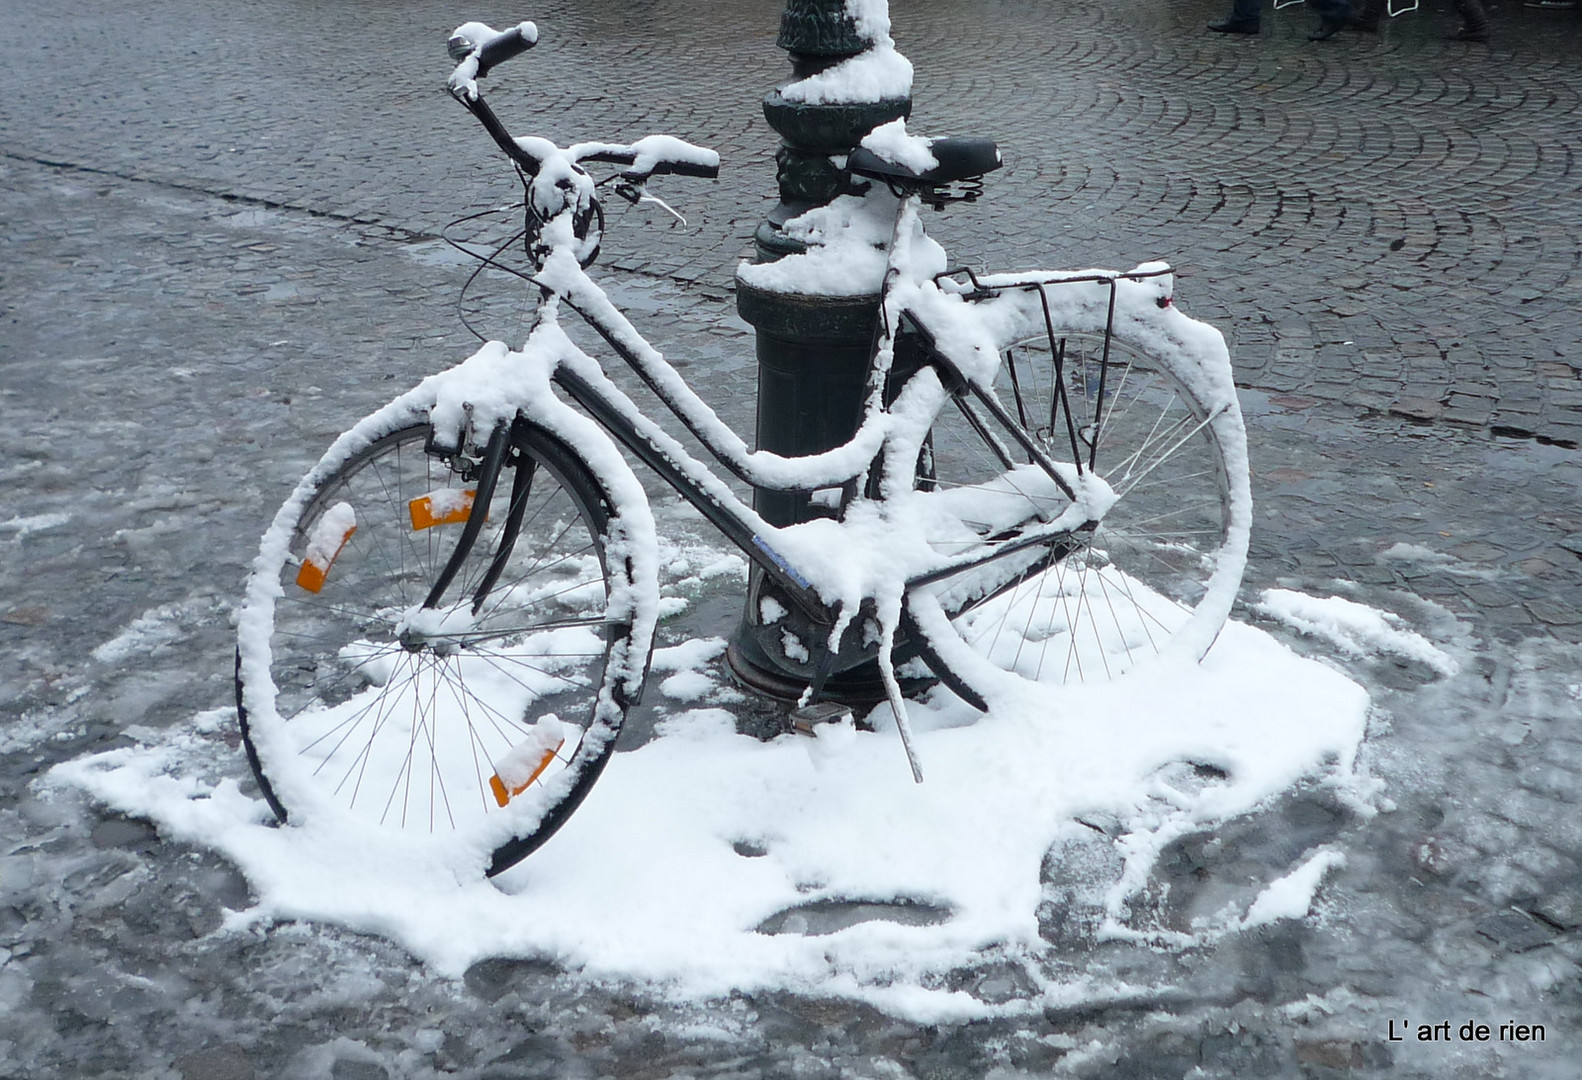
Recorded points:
(1387,221)
(185,326)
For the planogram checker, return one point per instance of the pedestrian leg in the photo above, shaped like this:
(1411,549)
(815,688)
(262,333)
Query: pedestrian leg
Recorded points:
(1368,15)
(1244,18)
(1333,15)
(1474,21)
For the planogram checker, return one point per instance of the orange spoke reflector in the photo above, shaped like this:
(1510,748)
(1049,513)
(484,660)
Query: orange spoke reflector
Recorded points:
(447,506)
(324,546)
(503,795)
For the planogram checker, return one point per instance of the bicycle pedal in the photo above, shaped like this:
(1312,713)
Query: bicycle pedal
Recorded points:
(805,721)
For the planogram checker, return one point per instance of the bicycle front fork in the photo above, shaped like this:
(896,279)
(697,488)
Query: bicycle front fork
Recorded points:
(499,449)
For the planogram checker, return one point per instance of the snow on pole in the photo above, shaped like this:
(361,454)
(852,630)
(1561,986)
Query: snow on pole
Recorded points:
(814,330)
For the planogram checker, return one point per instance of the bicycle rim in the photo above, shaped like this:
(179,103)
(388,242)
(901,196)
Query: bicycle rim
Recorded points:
(1133,589)
(483,719)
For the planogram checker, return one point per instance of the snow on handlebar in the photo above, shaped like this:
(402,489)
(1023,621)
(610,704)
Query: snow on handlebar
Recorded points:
(477,48)
(653,155)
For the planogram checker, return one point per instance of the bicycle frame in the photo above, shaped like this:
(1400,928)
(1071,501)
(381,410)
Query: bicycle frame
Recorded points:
(930,375)
(563,239)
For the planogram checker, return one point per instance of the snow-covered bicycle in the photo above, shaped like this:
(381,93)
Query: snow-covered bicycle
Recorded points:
(452,613)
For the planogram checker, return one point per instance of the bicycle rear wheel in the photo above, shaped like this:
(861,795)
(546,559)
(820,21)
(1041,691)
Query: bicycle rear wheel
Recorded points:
(482,720)
(1156,577)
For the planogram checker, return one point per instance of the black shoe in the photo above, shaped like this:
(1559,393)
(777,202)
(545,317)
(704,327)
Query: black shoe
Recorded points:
(1366,26)
(1327,29)
(1234,26)
(1468,33)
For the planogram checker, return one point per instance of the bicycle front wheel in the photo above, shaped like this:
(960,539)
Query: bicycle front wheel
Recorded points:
(1158,573)
(482,719)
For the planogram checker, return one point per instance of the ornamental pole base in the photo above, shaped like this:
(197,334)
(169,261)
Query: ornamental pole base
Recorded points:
(813,354)
(757,672)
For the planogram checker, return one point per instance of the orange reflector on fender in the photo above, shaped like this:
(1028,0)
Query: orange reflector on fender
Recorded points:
(503,795)
(445,507)
(324,546)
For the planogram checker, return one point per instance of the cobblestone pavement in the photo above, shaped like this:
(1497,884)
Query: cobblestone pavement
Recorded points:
(218,229)
(1387,221)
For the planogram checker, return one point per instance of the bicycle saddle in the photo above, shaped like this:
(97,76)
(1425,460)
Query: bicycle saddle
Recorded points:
(959,159)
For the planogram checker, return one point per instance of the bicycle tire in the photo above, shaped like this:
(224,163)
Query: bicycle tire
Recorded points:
(360,707)
(1155,578)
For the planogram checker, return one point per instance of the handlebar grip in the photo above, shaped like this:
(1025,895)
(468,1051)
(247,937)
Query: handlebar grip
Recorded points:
(509,43)
(685,168)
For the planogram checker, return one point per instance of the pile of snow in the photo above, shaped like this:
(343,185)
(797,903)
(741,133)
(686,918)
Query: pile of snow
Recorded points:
(876,74)
(847,249)
(682,865)
(892,143)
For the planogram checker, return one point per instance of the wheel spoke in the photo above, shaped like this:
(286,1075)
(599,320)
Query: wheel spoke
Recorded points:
(1133,585)
(407,732)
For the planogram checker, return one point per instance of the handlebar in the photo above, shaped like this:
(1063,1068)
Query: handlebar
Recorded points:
(512,42)
(477,48)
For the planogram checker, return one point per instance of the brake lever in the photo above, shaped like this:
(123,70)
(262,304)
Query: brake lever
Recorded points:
(635,193)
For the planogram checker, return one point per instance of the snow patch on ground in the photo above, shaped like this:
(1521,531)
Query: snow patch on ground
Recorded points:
(21,526)
(688,655)
(1291,896)
(1354,628)
(155,629)
(691,842)
(151,630)
(1426,558)
(687,686)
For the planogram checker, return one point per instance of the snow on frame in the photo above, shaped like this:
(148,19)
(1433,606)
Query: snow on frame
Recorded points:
(647,882)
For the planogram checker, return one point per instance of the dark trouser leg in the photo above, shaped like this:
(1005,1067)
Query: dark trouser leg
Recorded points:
(1331,11)
(1332,16)
(1243,18)
(1473,15)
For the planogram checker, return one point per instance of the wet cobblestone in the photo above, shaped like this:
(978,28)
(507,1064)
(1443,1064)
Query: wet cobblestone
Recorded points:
(1383,221)
(1377,222)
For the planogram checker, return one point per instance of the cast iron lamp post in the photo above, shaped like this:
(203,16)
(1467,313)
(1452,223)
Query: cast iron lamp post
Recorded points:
(812,350)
